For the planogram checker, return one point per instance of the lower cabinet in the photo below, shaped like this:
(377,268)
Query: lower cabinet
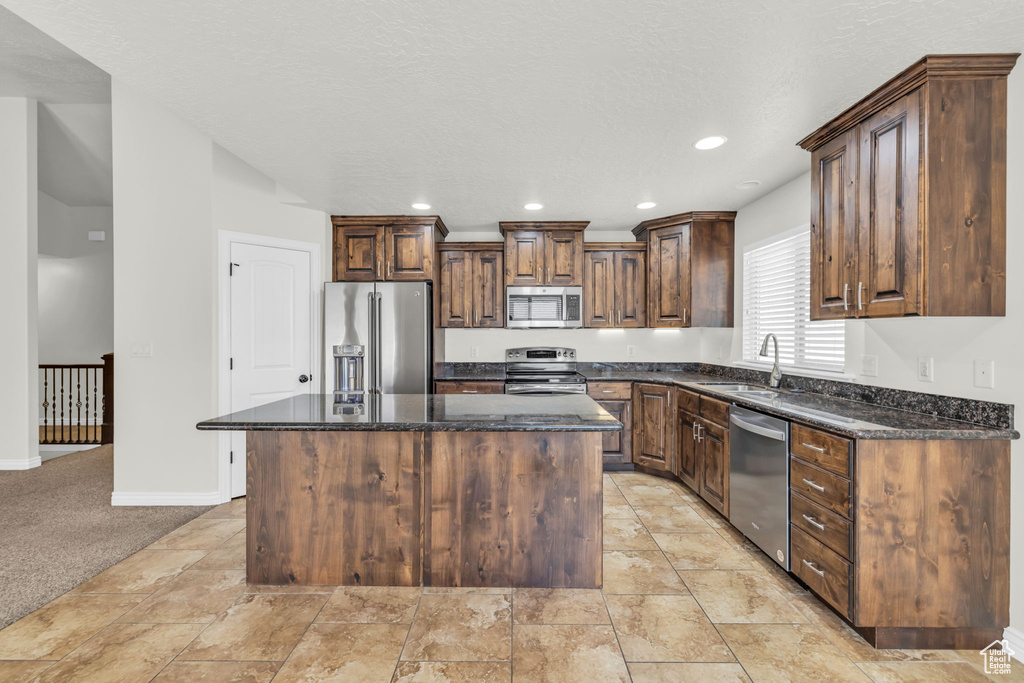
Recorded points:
(617,399)
(654,426)
(468,387)
(702,447)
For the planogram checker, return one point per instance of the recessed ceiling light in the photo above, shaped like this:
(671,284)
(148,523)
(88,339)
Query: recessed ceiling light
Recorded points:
(420,206)
(710,142)
(748,184)
(646,205)
(533,206)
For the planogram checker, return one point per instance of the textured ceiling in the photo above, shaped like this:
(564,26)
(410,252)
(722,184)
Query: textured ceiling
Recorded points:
(588,107)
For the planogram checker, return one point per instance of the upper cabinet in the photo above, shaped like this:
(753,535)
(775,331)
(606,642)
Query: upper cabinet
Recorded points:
(690,269)
(543,253)
(908,208)
(386,248)
(471,290)
(615,284)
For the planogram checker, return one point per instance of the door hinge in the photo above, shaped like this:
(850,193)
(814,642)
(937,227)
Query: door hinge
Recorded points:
(231,458)
(231,269)
(231,363)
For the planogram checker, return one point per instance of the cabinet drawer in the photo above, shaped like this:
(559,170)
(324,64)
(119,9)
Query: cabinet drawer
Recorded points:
(688,401)
(823,488)
(602,391)
(826,527)
(714,410)
(470,387)
(828,452)
(825,572)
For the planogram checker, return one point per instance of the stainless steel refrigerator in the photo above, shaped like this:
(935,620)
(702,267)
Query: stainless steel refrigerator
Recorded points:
(377,338)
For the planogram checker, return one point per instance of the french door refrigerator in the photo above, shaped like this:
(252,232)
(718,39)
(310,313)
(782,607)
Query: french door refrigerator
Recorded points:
(377,339)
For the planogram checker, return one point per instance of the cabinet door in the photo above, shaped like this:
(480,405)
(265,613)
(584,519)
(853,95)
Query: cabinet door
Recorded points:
(689,459)
(408,253)
(834,228)
(655,415)
(455,291)
(488,293)
(599,289)
(668,290)
(524,258)
(616,445)
(630,289)
(890,237)
(358,253)
(563,258)
(714,480)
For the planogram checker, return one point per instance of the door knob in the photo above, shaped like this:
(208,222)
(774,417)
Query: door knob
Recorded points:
(303,378)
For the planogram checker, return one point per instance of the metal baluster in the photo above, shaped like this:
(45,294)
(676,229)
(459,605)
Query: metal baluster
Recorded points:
(46,402)
(61,405)
(95,407)
(78,405)
(88,438)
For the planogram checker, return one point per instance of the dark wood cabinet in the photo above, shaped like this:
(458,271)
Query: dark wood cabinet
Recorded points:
(451,386)
(386,248)
(714,471)
(470,291)
(702,447)
(617,399)
(908,210)
(654,426)
(687,453)
(690,274)
(614,284)
(543,253)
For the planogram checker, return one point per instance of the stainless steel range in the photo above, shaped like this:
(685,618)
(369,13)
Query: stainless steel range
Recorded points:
(543,371)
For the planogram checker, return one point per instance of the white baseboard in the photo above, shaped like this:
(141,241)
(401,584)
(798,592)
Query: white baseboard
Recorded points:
(67,447)
(23,464)
(163,498)
(1016,640)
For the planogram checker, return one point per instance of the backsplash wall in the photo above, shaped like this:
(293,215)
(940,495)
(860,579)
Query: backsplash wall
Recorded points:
(662,345)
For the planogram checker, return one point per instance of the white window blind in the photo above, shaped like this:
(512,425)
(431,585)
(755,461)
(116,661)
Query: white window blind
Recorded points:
(777,298)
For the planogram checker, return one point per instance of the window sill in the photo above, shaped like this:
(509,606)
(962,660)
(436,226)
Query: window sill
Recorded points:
(799,372)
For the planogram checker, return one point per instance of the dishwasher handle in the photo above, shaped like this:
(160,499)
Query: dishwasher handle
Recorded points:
(758,429)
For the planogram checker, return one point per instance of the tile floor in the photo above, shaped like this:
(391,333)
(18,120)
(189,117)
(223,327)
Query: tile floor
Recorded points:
(685,598)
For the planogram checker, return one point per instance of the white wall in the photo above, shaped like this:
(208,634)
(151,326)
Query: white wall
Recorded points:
(954,343)
(173,190)
(19,197)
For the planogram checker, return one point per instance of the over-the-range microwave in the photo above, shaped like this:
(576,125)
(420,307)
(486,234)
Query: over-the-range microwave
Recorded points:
(527,307)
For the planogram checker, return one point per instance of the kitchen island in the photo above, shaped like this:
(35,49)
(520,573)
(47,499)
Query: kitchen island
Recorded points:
(435,490)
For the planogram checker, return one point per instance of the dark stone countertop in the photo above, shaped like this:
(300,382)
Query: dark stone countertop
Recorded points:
(423,413)
(472,372)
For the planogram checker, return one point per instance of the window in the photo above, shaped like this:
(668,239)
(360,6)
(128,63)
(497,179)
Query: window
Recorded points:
(776,299)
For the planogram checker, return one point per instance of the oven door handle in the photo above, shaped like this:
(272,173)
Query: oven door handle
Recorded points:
(541,389)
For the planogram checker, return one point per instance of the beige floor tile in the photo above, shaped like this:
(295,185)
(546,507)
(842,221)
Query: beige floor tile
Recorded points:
(740,597)
(735,538)
(558,606)
(639,571)
(612,496)
(371,605)
(123,652)
(453,672)
(345,653)
(624,511)
(635,479)
(196,596)
(627,534)
(470,590)
(461,627)
(230,555)
(218,672)
(925,672)
(665,628)
(674,673)
(257,628)
(702,551)
(289,589)
(22,672)
(144,572)
(659,494)
(789,652)
(200,534)
(672,519)
(775,574)
(58,628)
(233,509)
(555,654)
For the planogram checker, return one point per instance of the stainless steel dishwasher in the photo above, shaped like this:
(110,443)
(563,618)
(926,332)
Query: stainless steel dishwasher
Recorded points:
(759,480)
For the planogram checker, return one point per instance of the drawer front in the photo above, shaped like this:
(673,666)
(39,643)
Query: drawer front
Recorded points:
(470,387)
(688,401)
(825,489)
(714,410)
(828,452)
(826,527)
(825,572)
(605,391)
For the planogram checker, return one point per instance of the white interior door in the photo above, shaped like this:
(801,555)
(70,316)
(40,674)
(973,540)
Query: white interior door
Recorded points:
(271,333)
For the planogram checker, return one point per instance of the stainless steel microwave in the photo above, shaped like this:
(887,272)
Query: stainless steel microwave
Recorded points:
(527,307)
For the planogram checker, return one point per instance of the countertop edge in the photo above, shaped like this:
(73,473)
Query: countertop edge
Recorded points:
(412,427)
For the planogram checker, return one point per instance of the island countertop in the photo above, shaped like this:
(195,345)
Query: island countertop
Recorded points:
(423,413)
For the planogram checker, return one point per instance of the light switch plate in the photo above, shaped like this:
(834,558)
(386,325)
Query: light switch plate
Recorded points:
(630,350)
(474,351)
(869,366)
(985,374)
(141,350)
(925,369)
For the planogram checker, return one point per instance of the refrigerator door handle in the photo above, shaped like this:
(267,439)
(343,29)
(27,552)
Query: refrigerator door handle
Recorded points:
(372,383)
(380,344)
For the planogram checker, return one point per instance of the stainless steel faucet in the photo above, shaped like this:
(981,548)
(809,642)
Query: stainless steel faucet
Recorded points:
(776,376)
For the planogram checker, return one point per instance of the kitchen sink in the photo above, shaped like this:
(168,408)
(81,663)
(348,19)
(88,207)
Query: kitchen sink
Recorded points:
(734,388)
(756,393)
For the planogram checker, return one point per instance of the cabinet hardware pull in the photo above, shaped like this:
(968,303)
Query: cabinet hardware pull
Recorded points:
(467,391)
(811,520)
(860,290)
(813,448)
(549,275)
(813,485)
(846,291)
(700,433)
(819,572)
(694,430)
(608,391)
(684,315)
(378,270)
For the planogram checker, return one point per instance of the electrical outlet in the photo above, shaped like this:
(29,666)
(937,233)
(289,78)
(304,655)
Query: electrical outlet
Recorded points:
(925,369)
(869,366)
(141,350)
(985,374)
(630,350)
(722,353)
(474,351)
